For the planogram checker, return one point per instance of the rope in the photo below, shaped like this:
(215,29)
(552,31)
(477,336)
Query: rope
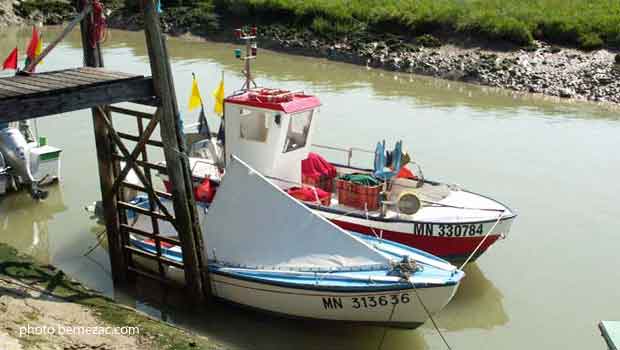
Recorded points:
(431,317)
(385,329)
(99,30)
(499,218)
(99,242)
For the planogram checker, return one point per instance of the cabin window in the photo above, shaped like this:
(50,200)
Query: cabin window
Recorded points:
(253,125)
(298,129)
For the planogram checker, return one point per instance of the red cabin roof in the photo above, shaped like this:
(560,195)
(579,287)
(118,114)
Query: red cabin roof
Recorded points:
(274,99)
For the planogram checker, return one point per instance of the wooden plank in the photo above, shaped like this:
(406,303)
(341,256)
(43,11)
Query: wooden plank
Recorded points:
(132,112)
(51,82)
(162,259)
(8,87)
(77,77)
(6,93)
(71,78)
(137,139)
(144,164)
(23,84)
(157,214)
(106,73)
(150,235)
(61,101)
(143,189)
(178,167)
(58,80)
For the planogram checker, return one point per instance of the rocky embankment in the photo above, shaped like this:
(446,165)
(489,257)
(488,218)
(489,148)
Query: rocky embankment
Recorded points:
(7,14)
(540,68)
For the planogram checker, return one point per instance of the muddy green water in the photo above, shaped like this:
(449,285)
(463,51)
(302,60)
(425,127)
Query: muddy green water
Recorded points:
(557,164)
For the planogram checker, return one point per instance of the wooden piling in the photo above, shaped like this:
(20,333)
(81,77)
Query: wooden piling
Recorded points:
(118,261)
(176,162)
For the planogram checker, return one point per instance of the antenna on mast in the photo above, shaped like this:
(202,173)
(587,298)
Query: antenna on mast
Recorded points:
(250,54)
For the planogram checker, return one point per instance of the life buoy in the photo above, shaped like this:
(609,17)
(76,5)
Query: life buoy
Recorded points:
(271,95)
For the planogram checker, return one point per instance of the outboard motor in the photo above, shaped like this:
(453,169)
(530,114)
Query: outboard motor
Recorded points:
(16,152)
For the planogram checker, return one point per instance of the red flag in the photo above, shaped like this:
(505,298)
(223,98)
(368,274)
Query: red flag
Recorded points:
(11,61)
(33,44)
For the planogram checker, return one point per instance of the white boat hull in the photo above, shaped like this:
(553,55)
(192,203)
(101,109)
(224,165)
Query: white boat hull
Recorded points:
(398,308)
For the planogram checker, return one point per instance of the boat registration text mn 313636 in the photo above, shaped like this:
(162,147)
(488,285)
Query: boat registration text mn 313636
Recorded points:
(365,301)
(448,230)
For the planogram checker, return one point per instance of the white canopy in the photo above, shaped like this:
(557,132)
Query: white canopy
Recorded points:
(251,222)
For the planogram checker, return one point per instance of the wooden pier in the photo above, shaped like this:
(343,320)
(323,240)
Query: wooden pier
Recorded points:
(31,95)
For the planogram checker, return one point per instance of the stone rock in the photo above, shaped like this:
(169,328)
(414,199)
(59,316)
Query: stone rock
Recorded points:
(566,92)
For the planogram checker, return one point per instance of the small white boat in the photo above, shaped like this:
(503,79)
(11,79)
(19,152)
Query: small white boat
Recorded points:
(24,162)
(270,252)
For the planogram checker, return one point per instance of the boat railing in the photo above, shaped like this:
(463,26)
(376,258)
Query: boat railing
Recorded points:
(348,151)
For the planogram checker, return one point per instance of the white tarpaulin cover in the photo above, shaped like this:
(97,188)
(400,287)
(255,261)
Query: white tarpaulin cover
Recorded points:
(251,222)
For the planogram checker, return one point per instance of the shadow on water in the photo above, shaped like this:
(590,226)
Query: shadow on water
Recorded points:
(242,328)
(477,304)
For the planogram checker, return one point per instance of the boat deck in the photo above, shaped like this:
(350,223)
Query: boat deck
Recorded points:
(40,94)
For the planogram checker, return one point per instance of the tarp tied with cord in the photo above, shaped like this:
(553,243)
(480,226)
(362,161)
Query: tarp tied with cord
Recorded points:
(253,223)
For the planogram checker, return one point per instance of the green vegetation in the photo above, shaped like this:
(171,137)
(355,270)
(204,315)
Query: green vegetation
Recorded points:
(588,24)
(54,11)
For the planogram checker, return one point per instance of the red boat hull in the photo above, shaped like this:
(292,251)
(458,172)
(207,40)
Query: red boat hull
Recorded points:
(453,249)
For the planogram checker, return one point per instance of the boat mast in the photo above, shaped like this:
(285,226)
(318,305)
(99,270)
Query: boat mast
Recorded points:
(250,54)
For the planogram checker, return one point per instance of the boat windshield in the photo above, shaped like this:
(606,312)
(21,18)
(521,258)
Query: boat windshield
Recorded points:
(298,129)
(253,125)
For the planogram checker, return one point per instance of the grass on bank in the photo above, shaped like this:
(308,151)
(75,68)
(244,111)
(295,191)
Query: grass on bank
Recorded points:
(588,24)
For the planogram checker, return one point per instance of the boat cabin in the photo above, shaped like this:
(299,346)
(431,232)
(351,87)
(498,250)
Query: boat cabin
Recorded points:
(271,130)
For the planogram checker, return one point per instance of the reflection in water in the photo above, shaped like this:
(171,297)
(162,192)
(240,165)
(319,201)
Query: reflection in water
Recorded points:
(242,328)
(329,76)
(26,228)
(477,304)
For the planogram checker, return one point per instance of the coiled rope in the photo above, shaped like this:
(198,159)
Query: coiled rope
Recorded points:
(99,30)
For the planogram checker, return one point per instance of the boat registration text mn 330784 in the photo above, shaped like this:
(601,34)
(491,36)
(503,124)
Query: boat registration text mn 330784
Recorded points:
(448,230)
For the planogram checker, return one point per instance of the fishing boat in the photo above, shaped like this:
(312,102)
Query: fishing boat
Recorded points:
(25,162)
(283,258)
(273,130)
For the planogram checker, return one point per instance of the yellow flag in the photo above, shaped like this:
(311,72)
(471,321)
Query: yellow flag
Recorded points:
(219,98)
(39,48)
(194,98)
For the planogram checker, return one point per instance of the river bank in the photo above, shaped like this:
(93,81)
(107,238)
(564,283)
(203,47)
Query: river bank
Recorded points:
(539,68)
(41,308)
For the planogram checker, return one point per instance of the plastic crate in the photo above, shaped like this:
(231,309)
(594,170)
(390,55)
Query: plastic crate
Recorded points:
(358,196)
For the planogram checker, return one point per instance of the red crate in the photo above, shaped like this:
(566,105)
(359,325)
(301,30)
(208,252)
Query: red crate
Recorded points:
(358,196)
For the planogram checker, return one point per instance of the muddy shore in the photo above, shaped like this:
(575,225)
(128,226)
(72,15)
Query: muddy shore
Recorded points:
(42,308)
